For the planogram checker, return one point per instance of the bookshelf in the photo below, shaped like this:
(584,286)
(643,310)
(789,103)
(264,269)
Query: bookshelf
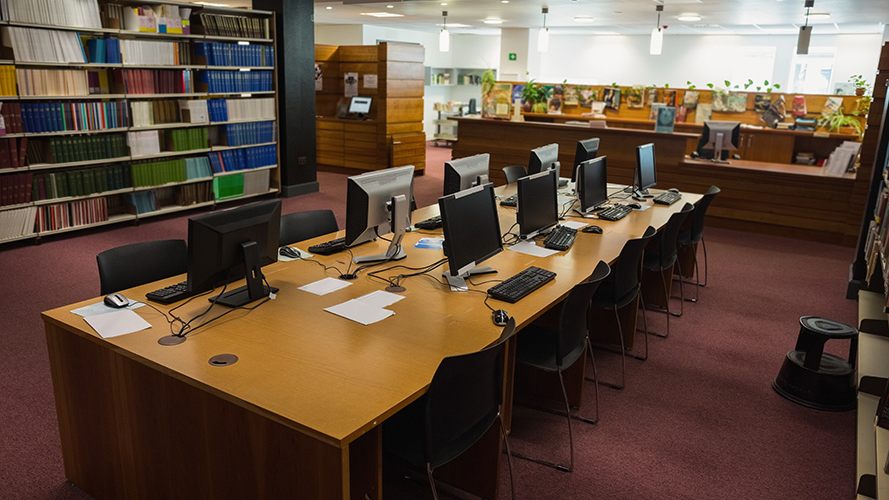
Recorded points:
(119,111)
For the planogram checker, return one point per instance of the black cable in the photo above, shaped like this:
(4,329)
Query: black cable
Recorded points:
(213,303)
(567,209)
(398,278)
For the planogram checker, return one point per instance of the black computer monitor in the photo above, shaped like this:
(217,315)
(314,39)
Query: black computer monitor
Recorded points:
(471,229)
(360,105)
(646,174)
(592,185)
(378,203)
(232,244)
(719,136)
(586,150)
(463,173)
(544,158)
(537,206)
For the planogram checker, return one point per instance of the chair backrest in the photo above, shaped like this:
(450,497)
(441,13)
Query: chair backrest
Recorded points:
(669,235)
(464,399)
(140,263)
(299,226)
(626,273)
(514,173)
(697,226)
(573,316)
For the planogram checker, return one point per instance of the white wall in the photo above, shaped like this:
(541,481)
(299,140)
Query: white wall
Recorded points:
(339,34)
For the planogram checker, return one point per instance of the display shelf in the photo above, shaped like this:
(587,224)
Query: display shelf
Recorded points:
(159,126)
(66,97)
(67,64)
(234,172)
(170,184)
(169,209)
(47,166)
(873,350)
(17,205)
(235,39)
(226,148)
(113,219)
(70,132)
(251,195)
(19,238)
(54,201)
(63,28)
(166,154)
(242,94)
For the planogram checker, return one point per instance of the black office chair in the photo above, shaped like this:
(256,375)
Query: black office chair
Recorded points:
(461,405)
(557,350)
(621,289)
(661,255)
(300,226)
(514,173)
(139,263)
(690,237)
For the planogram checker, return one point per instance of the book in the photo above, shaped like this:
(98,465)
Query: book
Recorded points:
(635,97)
(761,102)
(670,97)
(666,116)
(611,97)
(690,99)
(799,105)
(704,112)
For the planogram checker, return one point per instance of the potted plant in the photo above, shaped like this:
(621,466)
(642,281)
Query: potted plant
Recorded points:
(836,120)
(861,85)
(487,81)
(535,96)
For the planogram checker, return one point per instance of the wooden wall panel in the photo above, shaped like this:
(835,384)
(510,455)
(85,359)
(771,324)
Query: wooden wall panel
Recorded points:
(395,70)
(358,53)
(404,110)
(408,52)
(404,88)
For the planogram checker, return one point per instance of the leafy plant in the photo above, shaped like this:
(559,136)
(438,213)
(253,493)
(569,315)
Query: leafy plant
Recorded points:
(487,81)
(536,94)
(860,82)
(768,86)
(748,84)
(862,105)
(835,120)
(690,85)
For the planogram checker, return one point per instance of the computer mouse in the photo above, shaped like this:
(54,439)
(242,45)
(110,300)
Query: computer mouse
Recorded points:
(289,252)
(592,229)
(635,206)
(116,300)
(500,317)
(673,190)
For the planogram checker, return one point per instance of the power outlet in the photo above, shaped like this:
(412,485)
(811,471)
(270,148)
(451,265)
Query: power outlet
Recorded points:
(302,160)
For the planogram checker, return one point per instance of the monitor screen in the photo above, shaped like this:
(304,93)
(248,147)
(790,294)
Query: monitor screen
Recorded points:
(231,244)
(592,186)
(586,150)
(471,228)
(369,202)
(463,173)
(537,206)
(360,105)
(543,158)
(729,133)
(646,175)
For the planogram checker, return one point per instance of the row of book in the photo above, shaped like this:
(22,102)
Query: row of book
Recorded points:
(242,159)
(75,13)
(49,82)
(170,171)
(223,110)
(42,45)
(148,113)
(156,53)
(15,189)
(13,153)
(142,201)
(73,213)
(144,143)
(80,182)
(227,82)
(155,81)
(7,80)
(17,223)
(242,134)
(187,139)
(40,117)
(76,148)
(232,54)
(234,26)
(103,51)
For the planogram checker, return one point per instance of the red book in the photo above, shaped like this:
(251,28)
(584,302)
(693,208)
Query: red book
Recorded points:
(23,143)
(4,154)
(13,154)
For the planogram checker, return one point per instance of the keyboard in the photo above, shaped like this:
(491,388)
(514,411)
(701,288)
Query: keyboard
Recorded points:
(522,283)
(329,247)
(560,238)
(430,223)
(170,294)
(510,201)
(614,212)
(667,198)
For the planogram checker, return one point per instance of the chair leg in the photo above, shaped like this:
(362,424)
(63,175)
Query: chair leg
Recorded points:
(681,292)
(644,328)
(623,356)
(431,481)
(508,453)
(595,379)
(704,246)
(697,278)
(554,465)
(666,309)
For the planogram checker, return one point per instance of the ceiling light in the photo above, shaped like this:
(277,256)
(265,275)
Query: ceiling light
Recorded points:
(805,32)
(390,6)
(583,19)
(543,34)
(504,1)
(820,14)
(690,17)
(657,34)
(493,21)
(443,4)
(329,7)
(444,38)
(381,14)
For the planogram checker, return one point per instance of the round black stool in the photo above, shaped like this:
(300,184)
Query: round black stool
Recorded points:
(816,379)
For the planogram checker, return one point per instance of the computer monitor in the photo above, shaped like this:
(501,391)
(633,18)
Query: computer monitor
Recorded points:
(471,229)
(646,174)
(232,244)
(378,203)
(592,185)
(719,136)
(360,105)
(586,150)
(544,158)
(537,206)
(463,173)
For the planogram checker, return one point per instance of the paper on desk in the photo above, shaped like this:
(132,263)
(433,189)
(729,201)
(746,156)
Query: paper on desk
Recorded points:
(302,255)
(574,224)
(528,247)
(117,323)
(380,298)
(360,312)
(325,286)
(101,308)
(430,243)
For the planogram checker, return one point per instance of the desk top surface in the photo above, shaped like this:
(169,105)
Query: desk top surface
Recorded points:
(335,379)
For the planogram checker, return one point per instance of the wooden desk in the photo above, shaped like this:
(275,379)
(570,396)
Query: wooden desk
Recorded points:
(299,414)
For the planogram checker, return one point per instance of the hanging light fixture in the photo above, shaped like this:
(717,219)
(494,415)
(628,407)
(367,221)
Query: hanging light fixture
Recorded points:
(444,38)
(805,32)
(543,34)
(657,34)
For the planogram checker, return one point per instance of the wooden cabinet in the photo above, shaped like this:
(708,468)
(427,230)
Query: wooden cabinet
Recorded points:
(764,145)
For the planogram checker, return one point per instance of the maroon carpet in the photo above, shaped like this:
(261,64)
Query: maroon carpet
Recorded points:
(698,420)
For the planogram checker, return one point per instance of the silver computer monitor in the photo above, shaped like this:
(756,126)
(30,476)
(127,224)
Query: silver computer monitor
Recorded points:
(591,185)
(463,173)
(378,203)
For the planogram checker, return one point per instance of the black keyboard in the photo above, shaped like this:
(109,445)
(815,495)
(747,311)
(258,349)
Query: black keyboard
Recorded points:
(667,198)
(560,238)
(430,223)
(510,201)
(614,212)
(522,283)
(170,294)
(329,247)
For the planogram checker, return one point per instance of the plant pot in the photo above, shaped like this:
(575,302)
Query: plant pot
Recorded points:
(527,106)
(539,107)
(859,91)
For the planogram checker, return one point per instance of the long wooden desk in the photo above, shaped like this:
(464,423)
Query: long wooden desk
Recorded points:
(299,414)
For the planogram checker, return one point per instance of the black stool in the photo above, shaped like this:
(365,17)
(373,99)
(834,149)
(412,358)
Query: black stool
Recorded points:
(816,379)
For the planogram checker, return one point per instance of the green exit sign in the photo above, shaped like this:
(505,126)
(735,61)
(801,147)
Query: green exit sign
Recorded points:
(512,56)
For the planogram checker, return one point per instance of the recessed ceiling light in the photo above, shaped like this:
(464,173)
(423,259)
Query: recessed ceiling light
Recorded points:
(329,7)
(819,14)
(583,19)
(381,14)
(390,6)
(504,1)
(444,3)
(454,25)
(690,17)
(493,21)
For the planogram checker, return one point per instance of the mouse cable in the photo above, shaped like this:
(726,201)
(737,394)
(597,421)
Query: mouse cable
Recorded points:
(398,278)
(326,267)
(568,207)
(213,303)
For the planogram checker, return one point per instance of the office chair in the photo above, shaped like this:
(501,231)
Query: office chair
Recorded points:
(557,350)
(660,256)
(140,263)
(461,405)
(300,226)
(514,173)
(621,289)
(689,237)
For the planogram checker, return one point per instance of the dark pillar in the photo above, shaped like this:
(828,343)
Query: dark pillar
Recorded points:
(295,30)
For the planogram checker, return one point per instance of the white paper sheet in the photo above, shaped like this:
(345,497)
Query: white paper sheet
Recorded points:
(380,298)
(430,243)
(574,224)
(360,312)
(528,247)
(101,308)
(117,323)
(302,255)
(325,286)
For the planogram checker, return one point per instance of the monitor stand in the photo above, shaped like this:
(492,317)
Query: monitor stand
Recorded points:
(458,283)
(717,149)
(255,289)
(399,208)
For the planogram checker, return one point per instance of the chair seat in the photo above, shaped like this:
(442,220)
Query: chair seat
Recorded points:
(686,238)
(652,261)
(536,347)
(604,297)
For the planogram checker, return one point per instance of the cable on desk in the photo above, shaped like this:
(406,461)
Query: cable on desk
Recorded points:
(213,303)
(398,278)
(515,238)
(568,207)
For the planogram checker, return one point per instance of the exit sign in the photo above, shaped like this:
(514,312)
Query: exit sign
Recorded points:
(512,56)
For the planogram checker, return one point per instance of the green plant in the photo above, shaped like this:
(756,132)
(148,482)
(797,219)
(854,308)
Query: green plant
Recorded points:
(536,95)
(768,86)
(487,81)
(690,86)
(862,105)
(859,82)
(748,84)
(835,120)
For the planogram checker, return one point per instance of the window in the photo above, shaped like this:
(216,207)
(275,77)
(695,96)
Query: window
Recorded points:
(753,63)
(811,74)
